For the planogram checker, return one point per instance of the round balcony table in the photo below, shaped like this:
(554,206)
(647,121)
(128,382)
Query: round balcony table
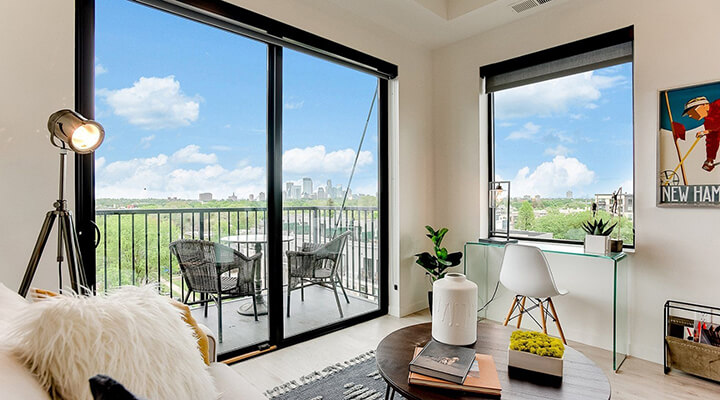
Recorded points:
(258,240)
(582,378)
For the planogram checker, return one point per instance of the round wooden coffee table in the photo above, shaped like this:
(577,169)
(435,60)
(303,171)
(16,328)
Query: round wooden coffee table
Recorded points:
(582,378)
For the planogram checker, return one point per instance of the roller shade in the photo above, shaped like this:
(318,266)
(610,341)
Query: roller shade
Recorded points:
(584,55)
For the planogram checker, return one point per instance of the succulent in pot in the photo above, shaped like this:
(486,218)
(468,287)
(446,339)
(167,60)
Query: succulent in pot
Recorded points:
(598,232)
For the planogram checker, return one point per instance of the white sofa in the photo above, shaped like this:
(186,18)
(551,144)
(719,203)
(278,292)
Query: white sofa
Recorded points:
(16,382)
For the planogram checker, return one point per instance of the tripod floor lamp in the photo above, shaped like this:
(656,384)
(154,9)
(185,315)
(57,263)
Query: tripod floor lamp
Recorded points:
(68,131)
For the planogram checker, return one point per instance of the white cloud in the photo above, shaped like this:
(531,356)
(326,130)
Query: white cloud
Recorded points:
(99,162)
(153,103)
(100,69)
(554,96)
(164,176)
(294,105)
(528,131)
(145,141)
(553,178)
(317,159)
(191,154)
(591,106)
(558,150)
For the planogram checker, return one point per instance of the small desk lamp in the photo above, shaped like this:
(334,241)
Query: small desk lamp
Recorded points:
(68,129)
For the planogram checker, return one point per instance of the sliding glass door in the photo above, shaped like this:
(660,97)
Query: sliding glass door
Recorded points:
(184,108)
(330,192)
(263,162)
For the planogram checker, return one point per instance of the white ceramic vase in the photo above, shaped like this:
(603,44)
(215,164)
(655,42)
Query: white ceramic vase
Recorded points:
(454,316)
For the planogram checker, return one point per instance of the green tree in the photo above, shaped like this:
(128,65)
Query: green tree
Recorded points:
(526,217)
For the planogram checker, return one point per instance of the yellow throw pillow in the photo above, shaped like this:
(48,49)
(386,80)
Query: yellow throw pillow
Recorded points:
(202,339)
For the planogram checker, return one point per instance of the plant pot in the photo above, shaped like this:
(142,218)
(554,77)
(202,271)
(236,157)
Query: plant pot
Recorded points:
(430,301)
(535,363)
(597,244)
(616,246)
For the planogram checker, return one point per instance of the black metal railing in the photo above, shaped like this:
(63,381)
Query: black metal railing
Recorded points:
(134,250)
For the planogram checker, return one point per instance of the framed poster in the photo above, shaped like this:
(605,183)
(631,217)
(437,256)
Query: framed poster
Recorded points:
(688,142)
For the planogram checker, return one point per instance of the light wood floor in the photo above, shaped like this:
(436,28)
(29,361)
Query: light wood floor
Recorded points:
(637,380)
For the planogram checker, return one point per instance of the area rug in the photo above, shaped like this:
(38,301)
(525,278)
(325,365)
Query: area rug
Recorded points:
(355,379)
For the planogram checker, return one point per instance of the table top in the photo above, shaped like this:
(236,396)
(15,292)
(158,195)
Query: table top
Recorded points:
(252,238)
(582,378)
(556,248)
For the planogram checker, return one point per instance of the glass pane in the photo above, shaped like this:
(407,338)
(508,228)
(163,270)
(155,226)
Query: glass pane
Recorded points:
(564,144)
(184,109)
(330,208)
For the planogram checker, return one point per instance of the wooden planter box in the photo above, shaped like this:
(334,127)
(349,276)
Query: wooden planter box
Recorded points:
(533,362)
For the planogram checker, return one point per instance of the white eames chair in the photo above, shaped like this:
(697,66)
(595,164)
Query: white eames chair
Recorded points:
(526,272)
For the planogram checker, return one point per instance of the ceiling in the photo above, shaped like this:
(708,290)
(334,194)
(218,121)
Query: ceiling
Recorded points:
(436,23)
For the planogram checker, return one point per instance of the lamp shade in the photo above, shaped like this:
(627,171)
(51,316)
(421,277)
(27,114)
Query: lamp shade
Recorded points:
(79,133)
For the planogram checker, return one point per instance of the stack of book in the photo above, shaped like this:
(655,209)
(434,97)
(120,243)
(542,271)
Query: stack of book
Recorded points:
(455,368)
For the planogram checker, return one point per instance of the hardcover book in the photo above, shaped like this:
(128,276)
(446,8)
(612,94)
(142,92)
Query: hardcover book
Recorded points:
(442,361)
(482,378)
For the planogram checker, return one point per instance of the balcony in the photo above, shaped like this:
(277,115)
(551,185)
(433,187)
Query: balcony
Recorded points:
(134,250)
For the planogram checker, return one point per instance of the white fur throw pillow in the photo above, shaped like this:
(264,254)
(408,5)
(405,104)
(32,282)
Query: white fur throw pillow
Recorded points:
(133,335)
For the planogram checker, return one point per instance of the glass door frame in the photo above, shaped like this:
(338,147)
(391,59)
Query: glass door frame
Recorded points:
(283,36)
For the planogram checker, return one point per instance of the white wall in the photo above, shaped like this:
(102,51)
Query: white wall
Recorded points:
(36,79)
(677,252)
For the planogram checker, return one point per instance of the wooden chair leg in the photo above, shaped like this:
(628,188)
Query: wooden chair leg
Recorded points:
(339,281)
(302,290)
(557,320)
(522,310)
(512,308)
(542,314)
(204,297)
(254,307)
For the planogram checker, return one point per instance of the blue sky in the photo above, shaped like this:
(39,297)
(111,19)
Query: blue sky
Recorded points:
(571,133)
(184,110)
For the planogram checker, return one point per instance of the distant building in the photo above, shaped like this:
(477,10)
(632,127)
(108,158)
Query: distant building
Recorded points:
(261,196)
(307,187)
(232,197)
(321,193)
(289,189)
(625,203)
(205,196)
(569,194)
(251,197)
(296,192)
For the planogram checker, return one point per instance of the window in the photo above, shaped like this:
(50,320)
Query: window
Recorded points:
(562,134)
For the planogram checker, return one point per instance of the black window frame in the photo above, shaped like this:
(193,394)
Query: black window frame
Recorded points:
(277,35)
(555,53)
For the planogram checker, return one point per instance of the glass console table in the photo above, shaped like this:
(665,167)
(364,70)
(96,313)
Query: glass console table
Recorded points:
(482,266)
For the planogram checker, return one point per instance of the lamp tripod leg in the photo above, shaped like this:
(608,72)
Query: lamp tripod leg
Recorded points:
(77,277)
(37,252)
(80,265)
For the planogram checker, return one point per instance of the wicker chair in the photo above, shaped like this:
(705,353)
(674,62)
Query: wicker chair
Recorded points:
(206,268)
(317,264)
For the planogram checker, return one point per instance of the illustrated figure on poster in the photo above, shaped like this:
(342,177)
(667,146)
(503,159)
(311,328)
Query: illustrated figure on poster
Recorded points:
(700,109)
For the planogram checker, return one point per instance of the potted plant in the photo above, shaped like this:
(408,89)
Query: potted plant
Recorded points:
(436,264)
(597,239)
(537,352)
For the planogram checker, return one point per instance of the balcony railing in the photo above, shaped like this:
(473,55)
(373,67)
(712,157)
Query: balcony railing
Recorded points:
(134,250)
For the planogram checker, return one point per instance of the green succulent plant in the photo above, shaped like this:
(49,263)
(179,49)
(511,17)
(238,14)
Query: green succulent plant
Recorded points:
(598,227)
(436,265)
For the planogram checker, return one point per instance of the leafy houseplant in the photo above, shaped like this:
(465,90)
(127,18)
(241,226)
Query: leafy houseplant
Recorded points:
(436,264)
(598,232)
(535,351)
